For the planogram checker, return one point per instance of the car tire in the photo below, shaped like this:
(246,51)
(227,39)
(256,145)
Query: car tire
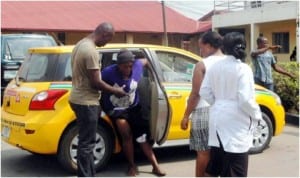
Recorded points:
(262,135)
(67,152)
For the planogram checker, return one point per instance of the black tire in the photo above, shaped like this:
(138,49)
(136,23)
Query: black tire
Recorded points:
(262,135)
(67,152)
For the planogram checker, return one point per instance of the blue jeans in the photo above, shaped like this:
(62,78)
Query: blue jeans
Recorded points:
(87,117)
(269,86)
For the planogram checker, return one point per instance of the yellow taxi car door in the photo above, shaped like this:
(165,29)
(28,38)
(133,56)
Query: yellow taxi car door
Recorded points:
(176,71)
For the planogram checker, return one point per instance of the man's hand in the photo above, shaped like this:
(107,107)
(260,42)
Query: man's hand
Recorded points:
(119,91)
(274,47)
(292,76)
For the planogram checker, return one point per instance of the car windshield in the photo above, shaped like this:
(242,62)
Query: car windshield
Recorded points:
(46,67)
(17,48)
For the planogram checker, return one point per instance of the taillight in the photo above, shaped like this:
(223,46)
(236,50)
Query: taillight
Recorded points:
(45,100)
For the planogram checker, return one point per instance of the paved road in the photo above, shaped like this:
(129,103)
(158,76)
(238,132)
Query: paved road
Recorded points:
(280,160)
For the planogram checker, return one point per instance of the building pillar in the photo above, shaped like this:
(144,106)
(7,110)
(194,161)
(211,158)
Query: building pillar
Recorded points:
(254,33)
(129,38)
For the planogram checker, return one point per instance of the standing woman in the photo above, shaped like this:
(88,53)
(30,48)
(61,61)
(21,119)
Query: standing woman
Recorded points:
(210,45)
(229,87)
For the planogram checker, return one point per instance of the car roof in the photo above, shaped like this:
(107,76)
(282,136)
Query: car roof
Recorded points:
(69,48)
(12,35)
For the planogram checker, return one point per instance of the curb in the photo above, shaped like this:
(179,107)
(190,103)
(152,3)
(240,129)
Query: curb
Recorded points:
(292,119)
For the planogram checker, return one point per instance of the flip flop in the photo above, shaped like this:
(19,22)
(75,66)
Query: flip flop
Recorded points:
(158,173)
(132,171)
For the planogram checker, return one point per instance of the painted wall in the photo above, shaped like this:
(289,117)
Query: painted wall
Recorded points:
(269,13)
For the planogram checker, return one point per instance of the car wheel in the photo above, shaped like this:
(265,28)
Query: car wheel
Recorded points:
(67,153)
(262,135)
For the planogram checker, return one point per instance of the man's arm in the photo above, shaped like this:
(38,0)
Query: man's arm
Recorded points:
(144,61)
(262,50)
(99,84)
(279,69)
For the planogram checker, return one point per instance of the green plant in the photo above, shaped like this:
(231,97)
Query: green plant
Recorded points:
(287,88)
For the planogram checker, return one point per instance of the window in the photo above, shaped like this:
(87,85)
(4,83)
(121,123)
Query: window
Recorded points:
(107,59)
(64,69)
(46,67)
(17,48)
(175,67)
(36,68)
(282,39)
(255,4)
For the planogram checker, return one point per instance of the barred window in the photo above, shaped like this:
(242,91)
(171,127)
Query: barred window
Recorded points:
(282,39)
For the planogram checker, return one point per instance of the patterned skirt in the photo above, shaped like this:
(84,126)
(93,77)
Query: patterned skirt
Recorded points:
(199,129)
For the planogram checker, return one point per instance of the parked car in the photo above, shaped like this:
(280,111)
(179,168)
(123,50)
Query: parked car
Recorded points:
(13,50)
(36,115)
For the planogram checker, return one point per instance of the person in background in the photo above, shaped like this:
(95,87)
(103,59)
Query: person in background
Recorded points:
(210,49)
(228,86)
(85,93)
(126,112)
(264,61)
(293,56)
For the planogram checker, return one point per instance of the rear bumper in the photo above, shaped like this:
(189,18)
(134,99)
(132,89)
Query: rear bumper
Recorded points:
(35,132)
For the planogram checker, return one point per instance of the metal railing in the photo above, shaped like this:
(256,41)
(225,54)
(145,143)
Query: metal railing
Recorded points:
(230,5)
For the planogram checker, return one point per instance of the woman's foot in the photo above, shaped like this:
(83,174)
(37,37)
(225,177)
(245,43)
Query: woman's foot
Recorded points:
(132,171)
(158,172)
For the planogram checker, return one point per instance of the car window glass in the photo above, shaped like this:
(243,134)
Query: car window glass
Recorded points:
(63,69)
(68,71)
(176,67)
(17,48)
(108,58)
(7,55)
(39,67)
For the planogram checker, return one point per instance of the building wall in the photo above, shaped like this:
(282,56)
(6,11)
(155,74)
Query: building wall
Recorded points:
(273,17)
(270,13)
(148,38)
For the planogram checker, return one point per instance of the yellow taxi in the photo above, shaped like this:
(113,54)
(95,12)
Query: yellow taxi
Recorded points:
(36,116)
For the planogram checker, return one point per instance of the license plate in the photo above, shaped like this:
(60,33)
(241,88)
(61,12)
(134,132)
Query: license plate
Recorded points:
(5,132)
(10,74)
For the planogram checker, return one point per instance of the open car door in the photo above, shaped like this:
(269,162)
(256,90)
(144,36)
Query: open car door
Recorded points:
(155,103)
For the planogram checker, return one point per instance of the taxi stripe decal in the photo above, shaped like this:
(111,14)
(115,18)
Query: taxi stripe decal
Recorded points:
(61,85)
(181,88)
(189,88)
(263,92)
(178,88)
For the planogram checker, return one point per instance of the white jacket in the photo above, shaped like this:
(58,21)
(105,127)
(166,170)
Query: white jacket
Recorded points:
(229,87)
(208,62)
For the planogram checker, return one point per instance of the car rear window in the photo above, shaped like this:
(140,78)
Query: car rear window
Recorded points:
(46,67)
(17,47)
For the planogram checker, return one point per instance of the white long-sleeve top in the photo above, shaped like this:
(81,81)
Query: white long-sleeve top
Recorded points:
(229,88)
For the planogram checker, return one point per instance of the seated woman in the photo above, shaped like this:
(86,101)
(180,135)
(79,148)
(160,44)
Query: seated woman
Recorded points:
(126,111)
